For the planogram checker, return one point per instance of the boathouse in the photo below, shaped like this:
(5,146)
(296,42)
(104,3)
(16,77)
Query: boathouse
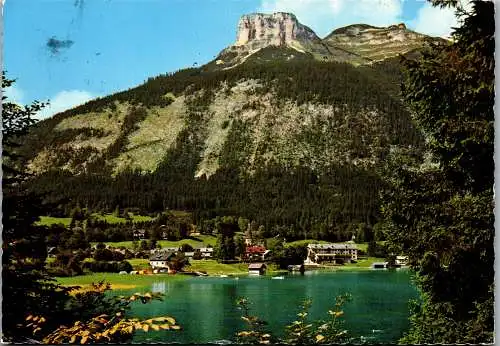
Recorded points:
(257,268)
(380,265)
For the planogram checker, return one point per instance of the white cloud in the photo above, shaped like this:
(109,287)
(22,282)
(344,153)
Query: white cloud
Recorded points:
(436,21)
(14,94)
(64,100)
(325,15)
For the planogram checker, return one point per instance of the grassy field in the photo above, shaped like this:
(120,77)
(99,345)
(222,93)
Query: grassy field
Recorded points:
(109,218)
(305,242)
(139,263)
(362,246)
(204,240)
(179,213)
(49,221)
(117,281)
(112,219)
(212,267)
(140,218)
(362,264)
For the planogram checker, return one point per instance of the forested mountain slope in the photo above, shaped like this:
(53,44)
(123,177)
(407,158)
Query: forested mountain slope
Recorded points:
(289,142)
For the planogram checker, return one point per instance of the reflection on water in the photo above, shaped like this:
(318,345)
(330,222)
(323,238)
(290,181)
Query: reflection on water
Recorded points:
(206,306)
(159,287)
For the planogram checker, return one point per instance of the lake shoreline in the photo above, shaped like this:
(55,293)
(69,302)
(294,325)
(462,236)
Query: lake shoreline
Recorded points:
(122,281)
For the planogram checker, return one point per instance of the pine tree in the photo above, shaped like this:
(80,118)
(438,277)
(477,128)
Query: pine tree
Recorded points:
(440,208)
(25,282)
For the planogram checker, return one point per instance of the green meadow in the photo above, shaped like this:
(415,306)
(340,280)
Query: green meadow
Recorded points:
(109,218)
(198,241)
(49,221)
(116,280)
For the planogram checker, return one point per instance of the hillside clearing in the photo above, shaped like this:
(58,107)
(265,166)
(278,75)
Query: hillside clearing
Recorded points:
(50,220)
(198,241)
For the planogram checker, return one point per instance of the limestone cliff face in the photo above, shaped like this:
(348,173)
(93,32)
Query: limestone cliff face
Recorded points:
(278,29)
(260,31)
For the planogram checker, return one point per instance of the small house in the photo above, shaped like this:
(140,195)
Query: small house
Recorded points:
(206,252)
(248,241)
(401,260)
(170,249)
(257,268)
(165,249)
(160,259)
(380,265)
(255,253)
(139,234)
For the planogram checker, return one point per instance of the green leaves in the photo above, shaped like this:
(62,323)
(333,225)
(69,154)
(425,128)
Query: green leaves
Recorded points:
(300,331)
(256,333)
(107,329)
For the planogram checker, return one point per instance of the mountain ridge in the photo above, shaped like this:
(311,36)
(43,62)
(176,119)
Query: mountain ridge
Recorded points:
(357,43)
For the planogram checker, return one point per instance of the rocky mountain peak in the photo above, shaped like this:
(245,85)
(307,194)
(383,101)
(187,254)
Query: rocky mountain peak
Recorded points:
(376,43)
(280,36)
(263,37)
(278,29)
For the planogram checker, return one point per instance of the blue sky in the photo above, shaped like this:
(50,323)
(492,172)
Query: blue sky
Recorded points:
(103,46)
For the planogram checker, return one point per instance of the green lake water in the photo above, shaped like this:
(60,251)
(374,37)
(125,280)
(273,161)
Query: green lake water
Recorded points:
(205,306)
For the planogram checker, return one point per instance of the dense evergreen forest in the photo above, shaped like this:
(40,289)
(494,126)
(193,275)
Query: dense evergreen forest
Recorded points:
(326,202)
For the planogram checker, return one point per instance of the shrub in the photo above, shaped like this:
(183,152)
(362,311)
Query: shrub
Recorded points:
(186,248)
(197,255)
(103,255)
